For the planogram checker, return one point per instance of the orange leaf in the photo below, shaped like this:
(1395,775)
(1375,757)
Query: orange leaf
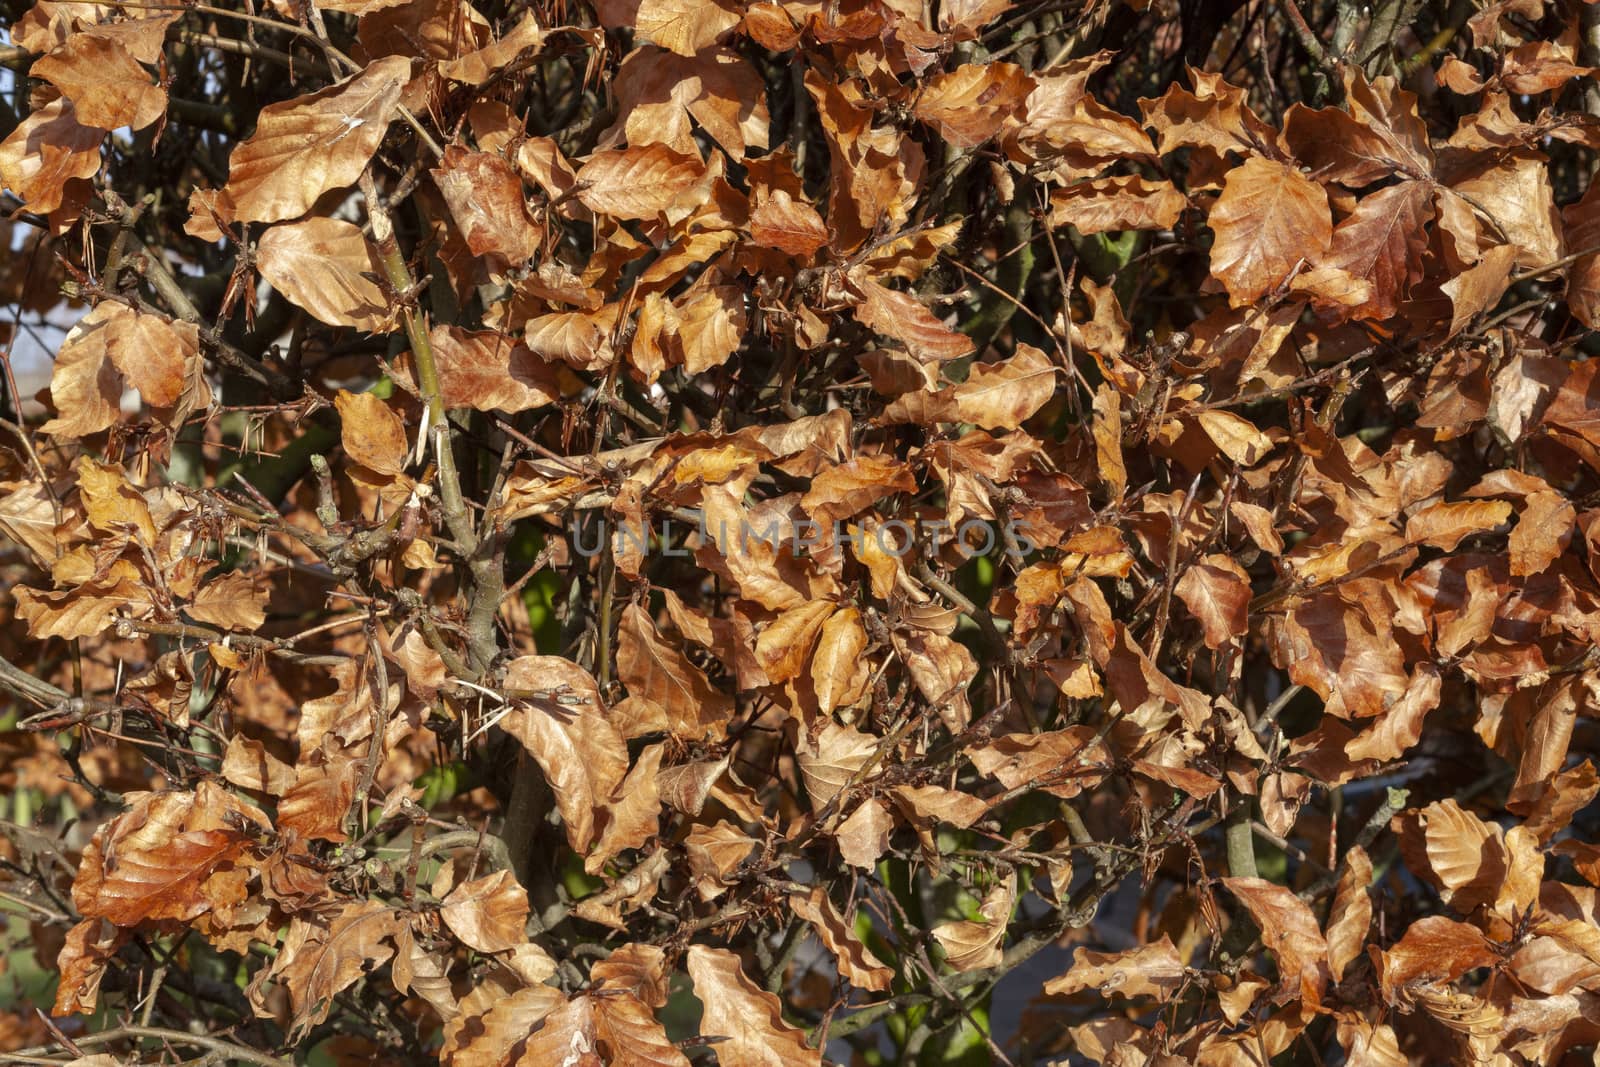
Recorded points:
(748,1016)
(304,147)
(1269,220)
(323,265)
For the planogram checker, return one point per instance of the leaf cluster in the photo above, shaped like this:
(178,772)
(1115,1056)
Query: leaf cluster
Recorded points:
(689,531)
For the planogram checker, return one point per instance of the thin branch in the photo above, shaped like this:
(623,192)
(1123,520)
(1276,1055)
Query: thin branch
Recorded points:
(177,1037)
(1308,37)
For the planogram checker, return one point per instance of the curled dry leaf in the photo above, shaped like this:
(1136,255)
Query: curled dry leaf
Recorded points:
(639,969)
(475,68)
(856,962)
(1237,438)
(1370,1043)
(1152,970)
(665,690)
(1112,204)
(579,338)
(115,347)
(686,27)
(577,1031)
(1292,933)
(1351,914)
(837,670)
(372,433)
(1379,135)
(932,802)
(1515,192)
(1399,728)
(1066,761)
(969,105)
(1382,243)
(864,836)
(1436,949)
(830,761)
(564,726)
(490,1027)
(1216,590)
(1544,526)
(784,645)
(748,1016)
(85,385)
(232,602)
(489,371)
(1444,525)
(661,93)
(1479,288)
(88,949)
(321,957)
(632,815)
(318,804)
(788,225)
(942,669)
(710,327)
(249,765)
(486,199)
(687,786)
(974,944)
(416,970)
(1465,857)
(158,861)
(714,853)
(901,317)
(1002,396)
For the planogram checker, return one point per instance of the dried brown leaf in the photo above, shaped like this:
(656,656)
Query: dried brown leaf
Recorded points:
(747,1015)
(789,225)
(153,862)
(488,914)
(490,371)
(326,267)
(1001,396)
(973,945)
(1152,970)
(307,146)
(1351,914)
(836,668)
(1290,931)
(320,957)
(1436,949)
(1216,590)
(669,692)
(970,105)
(1269,221)
(1111,204)
(372,433)
(577,1032)
(641,182)
(857,965)
(567,730)
(46,153)
(864,837)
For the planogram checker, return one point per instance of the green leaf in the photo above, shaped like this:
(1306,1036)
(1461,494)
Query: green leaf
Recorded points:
(439,784)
